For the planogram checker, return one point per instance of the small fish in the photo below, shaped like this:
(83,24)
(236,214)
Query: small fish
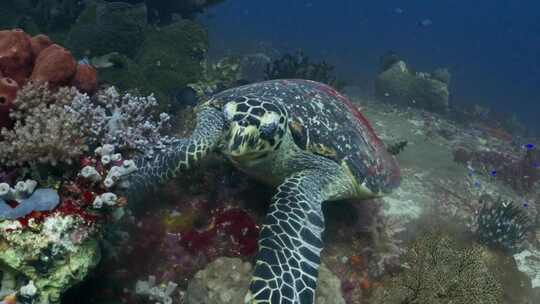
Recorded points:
(84,60)
(493,173)
(529,146)
(398,10)
(425,22)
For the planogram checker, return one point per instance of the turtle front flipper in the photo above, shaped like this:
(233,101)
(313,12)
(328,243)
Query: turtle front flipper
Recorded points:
(290,243)
(186,151)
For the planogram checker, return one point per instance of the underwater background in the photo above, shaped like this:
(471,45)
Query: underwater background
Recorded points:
(120,120)
(490,47)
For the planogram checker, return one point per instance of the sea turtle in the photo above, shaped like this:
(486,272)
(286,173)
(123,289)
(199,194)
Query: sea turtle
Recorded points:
(309,141)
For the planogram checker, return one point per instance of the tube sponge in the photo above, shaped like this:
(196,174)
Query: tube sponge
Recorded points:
(43,199)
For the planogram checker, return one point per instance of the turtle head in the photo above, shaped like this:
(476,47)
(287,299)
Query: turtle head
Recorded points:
(256,129)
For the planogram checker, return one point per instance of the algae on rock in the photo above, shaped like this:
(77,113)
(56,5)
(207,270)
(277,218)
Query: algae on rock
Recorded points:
(48,258)
(105,27)
(168,59)
(226,280)
(399,84)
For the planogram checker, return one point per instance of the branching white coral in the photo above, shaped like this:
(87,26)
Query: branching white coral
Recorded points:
(127,121)
(45,131)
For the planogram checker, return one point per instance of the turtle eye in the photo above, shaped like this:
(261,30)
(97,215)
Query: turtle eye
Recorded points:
(267,131)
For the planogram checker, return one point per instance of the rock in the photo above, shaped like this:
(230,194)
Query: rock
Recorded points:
(253,67)
(328,288)
(170,58)
(39,43)
(528,262)
(15,55)
(104,27)
(398,84)
(54,65)
(85,79)
(226,280)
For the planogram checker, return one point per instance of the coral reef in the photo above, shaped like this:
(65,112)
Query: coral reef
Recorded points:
(226,280)
(129,122)
(253,67)
(56,244)
(24,58)
(48,258)
(397,83)
(217,77)
(521,172)
(85,79)
(168,59)
(300,66)
(54,65)
(60,126)
(46,15)
(105,27)
(437,270)
(143,57)
(44,131)
(16,56)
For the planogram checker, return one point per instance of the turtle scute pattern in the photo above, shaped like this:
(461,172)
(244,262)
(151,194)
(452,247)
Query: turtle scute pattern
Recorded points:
(290,242)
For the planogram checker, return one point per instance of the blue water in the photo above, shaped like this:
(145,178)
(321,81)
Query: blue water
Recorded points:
(491,47)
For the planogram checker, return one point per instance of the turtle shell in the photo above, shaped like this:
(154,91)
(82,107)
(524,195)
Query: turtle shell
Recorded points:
(326,123)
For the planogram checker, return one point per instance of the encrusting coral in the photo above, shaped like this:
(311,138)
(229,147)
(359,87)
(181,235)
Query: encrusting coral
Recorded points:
(55,248)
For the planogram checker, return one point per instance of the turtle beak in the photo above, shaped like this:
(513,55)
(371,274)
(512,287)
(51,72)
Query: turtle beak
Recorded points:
(242,141)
